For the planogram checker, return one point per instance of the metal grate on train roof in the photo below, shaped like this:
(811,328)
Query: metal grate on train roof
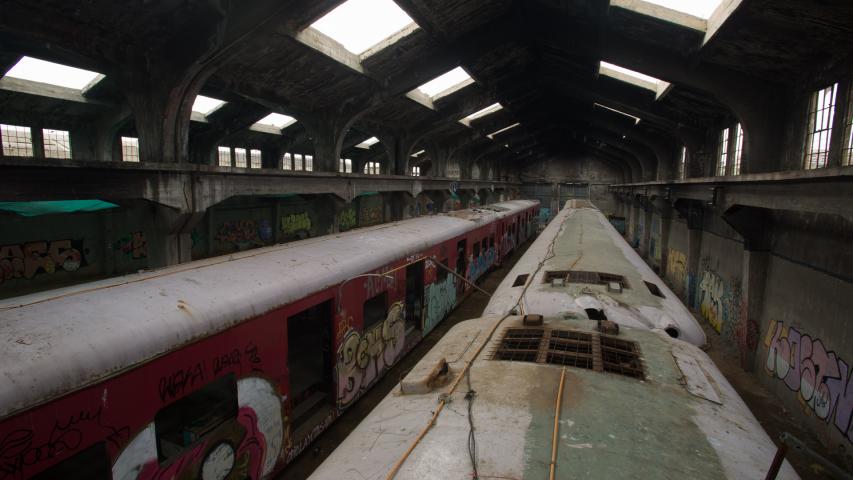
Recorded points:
(573,348)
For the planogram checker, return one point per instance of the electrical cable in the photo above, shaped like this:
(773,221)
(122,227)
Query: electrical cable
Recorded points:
(472,439)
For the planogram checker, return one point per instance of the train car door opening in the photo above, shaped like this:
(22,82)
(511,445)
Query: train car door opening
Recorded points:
(309,360)
(414,296)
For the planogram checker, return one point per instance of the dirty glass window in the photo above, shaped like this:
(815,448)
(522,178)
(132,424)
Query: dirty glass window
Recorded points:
(57,143)
(17,140)
(819,133)
(129,149)
(375,310)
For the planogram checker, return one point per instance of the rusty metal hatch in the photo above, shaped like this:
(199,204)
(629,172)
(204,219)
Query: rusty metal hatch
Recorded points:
(579,276)
(572,348)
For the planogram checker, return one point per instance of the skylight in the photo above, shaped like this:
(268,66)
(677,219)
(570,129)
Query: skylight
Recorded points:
(36,70)
(206,105)
(359,25)
(277,120)
(368,143)
(698,8)
(446,84)
(620,112)
(418,153)
(481,113)
(634,78)
(493,134)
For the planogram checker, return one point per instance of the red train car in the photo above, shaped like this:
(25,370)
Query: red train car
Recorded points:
(227,368)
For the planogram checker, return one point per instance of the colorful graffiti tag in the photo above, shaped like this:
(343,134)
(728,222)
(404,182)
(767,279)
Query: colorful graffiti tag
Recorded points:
(822,380)
(370,215)
(247,446)
(440,298)
(478,266)
(240,233)
(363,357)
(296,225)
(26,260)
(134,245)
(676,271)
(719,303)
(346,220)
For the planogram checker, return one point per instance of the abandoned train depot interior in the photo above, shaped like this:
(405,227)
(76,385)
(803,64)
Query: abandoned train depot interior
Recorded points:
(426,239)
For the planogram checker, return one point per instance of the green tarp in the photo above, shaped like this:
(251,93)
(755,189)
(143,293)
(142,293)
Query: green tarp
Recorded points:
(34,209)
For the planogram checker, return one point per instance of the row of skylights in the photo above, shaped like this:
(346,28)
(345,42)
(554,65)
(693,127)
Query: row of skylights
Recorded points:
(277,120)
(634,78)
(446,84)
(620,112)
(498,132)
(368,143)
(206,105)
(698,8)
(481,113)
(360,25)
(42,71)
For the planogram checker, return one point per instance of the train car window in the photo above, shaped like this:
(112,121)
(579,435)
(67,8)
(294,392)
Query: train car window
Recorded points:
(92,463)
(375,310)
(441,274)
(492,241)
(461,262)
(485,244)
(310,361)
(476,249)
(183,423)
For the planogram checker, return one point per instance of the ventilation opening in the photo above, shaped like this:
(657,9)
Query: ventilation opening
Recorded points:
(621,356)
(654,289)
(520,280)
(578,276)
(672,332)
(595,314)
(571,348)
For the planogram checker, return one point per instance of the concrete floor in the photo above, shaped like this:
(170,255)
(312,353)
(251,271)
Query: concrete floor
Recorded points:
(302,467)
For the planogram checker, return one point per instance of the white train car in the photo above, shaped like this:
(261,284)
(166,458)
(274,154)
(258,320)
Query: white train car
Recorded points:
(526,395)
(581,266)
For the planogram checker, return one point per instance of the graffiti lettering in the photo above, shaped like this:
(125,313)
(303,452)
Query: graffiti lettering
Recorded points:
(370,215)
(226,361)
(18,449)
(711,300)
(440,298)
(363,357)
(346,220)
(295,224)
(241,233)
(676,271)
(175,384)
(478,266)
(822,380)
(134,245)
(375,285)
(28,259)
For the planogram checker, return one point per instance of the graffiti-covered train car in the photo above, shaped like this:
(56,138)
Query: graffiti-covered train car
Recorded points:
(228,367)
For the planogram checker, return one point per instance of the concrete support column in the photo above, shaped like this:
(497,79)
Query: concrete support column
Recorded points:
(666,214)
(646,239)
(694,252)
(752,295)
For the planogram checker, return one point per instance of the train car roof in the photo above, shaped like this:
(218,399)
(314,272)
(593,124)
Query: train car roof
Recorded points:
(580,238)
(682,420)
(57,341)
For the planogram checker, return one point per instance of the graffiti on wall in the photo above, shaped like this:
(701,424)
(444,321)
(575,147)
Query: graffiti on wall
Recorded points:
(246,446)
(134,245)
(365,356)
(655,239)
(676,271)
(346,220)
(715,302)
(822,380)
(370,215)
(296,225)
(478,266)
(26,260)
(440,297)
(245,233)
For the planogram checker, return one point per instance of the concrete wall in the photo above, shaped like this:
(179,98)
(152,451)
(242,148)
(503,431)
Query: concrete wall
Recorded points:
(578,168)
(781,312)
